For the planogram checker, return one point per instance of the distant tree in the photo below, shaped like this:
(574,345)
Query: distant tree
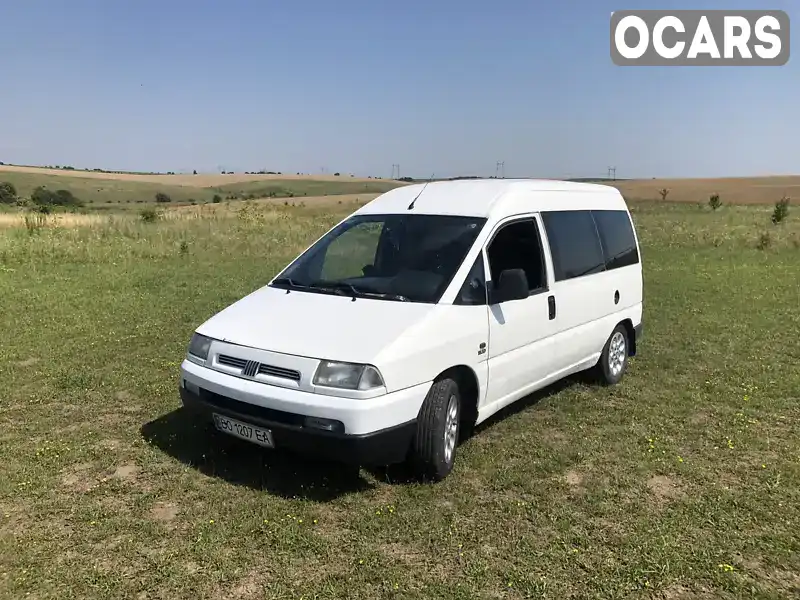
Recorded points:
(714,202)
(336,174)
(663,192)
(781,210)
(194,172)
(216,199)
(8,193)
(41,196)
(66,198)
(161,197)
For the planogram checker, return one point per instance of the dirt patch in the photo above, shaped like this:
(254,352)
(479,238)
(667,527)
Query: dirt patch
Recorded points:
(574,479)
(164,511)
(402,553)
(664,489)
(127,402)
(81,477)
(28,362)
(553,436)
(249,587)
(126,472)
(109,444)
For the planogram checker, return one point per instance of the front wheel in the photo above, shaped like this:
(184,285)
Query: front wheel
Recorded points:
(433,452)
(614,359)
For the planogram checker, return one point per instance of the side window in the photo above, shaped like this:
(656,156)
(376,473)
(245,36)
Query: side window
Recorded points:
(473,292)
(351,252)
(616,234)
(574,243)
(518,246)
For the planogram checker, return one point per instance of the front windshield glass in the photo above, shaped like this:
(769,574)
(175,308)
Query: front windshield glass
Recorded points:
(392,257)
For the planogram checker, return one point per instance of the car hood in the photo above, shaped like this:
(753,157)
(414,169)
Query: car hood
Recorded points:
(315,325)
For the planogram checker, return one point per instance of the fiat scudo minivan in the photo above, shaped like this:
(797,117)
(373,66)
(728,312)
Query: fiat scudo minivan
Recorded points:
(420,315)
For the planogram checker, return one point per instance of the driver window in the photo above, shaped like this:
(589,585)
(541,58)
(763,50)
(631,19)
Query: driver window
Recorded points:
(349,254)
(518,246)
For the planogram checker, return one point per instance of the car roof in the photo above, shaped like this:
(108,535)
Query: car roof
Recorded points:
(495,198)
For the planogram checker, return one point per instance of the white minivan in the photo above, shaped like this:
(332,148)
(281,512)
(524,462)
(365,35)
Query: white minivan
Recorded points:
(420,315)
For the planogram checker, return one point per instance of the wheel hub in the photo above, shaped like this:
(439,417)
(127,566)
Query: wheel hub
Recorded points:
(451,428)
(616,353)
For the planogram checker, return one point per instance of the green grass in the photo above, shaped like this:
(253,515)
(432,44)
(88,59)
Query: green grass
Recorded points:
(682,481)
(285,187)
(117,195)
(106,193)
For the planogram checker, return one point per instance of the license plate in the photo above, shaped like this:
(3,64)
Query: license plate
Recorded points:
(257,435)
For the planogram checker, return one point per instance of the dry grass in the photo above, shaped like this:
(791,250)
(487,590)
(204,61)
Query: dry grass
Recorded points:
(17,219)
(200,180)
(732,190)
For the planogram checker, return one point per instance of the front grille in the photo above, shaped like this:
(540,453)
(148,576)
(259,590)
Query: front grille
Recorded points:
(250,368)
(231,361)
(279,372)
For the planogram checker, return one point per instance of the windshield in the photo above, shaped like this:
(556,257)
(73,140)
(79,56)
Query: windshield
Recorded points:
(392,257)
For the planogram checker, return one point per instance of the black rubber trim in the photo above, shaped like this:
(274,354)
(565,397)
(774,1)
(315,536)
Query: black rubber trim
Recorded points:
(384,447)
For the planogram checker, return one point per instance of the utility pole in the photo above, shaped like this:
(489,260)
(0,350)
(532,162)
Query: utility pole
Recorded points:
(395,166)
(500,169)
(612,173)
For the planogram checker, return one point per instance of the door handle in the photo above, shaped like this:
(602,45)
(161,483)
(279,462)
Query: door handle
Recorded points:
(551,305)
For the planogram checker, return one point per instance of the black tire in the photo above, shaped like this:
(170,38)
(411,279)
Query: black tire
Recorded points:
(609,371)
(429,457)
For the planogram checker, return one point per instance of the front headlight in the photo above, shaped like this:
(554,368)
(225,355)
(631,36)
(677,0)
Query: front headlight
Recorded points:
(199,347)
(347,376)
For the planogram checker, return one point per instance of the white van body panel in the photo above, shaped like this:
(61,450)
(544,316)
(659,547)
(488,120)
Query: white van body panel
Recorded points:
(510,349)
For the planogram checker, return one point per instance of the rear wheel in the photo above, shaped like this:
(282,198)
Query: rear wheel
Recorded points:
(433,451)
(614,359)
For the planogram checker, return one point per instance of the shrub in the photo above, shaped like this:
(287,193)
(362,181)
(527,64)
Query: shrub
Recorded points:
(663,192)
(41,196)
(714,202)
(781,210)
(8,193)
(336,174)
(764,241)
(216,199)
(66,198)
(149,215)
(161,198)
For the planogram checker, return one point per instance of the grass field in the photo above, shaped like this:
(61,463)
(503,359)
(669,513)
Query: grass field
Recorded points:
(732,190)
(122,192)
(681,482)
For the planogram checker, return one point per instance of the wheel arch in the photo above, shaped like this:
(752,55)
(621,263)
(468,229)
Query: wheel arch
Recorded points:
(631,333)
(469,389)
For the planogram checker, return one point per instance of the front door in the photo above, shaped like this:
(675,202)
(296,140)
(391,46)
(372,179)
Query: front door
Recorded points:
(521,352)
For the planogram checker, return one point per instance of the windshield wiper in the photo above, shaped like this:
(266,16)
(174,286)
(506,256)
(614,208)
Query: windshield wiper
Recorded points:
(354,291)
(301,286)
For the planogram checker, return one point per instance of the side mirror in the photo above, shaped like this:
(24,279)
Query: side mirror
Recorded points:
(512,285)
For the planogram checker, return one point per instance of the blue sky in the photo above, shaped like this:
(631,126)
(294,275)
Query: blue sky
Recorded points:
(442,88)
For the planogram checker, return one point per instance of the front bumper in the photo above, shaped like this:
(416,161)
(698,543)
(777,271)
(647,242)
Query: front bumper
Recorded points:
(371,431)
(384,447)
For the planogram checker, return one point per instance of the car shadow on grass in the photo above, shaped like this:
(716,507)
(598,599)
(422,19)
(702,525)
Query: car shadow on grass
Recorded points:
(195,442)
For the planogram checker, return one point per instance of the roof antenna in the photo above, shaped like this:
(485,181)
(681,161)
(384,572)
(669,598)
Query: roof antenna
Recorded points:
(410,206)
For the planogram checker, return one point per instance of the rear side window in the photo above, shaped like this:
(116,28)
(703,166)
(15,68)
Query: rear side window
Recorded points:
(616,235)
(574,243)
